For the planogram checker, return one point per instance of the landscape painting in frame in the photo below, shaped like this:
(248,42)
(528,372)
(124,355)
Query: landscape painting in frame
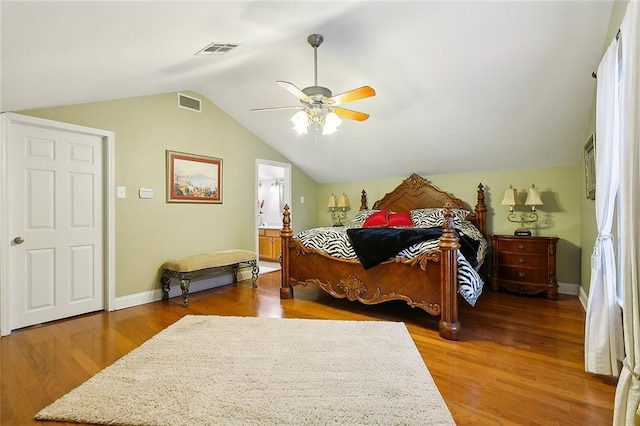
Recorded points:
(193,178)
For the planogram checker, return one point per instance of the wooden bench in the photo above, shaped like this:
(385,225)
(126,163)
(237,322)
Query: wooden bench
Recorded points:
(189,267)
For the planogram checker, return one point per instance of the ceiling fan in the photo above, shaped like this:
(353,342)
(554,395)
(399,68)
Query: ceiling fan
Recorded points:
(320,108)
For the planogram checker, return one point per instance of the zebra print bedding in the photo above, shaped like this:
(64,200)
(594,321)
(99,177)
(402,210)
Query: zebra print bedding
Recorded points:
(335,242)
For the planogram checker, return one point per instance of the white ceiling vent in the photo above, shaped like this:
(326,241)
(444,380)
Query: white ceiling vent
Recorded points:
(188,102)
(217,49)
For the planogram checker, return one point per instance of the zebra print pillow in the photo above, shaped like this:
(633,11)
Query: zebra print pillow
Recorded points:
(429,218)
(358,219)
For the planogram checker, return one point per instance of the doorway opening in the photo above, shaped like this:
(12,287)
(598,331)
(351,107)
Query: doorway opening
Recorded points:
(273,191)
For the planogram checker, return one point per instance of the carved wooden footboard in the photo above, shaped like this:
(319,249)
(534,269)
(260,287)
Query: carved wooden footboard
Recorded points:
(428,281)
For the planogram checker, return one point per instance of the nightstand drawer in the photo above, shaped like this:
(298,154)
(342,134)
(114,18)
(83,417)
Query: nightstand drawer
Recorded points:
(527,245)
(523,274)
(522,259)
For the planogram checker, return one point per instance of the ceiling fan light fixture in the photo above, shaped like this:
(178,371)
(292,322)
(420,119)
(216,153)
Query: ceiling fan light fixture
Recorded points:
(319,118)
(300,122)
(331,123)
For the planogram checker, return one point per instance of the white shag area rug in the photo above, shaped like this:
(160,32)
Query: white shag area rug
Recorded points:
(214,370)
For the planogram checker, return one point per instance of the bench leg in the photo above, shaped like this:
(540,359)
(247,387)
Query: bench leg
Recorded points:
(166,281)
(255,271)
(184,285)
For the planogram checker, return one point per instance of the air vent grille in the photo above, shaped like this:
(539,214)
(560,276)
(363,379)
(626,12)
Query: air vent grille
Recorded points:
(217,49)
(188,102)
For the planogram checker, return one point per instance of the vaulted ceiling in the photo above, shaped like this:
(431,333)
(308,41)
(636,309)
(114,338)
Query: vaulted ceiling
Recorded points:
(461,86)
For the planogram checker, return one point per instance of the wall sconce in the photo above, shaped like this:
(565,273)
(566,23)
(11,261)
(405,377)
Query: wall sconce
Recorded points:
(338,209)
(533,199)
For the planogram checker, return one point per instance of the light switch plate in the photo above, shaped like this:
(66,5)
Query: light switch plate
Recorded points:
(121,192)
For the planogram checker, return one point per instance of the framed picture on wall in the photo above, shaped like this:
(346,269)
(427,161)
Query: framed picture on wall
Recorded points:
(590,168)
(193,178)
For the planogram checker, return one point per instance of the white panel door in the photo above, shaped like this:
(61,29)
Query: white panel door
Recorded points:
(56,224)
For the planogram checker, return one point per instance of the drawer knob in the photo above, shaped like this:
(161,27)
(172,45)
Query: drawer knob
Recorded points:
(521,259)
(522,274)
(521,246)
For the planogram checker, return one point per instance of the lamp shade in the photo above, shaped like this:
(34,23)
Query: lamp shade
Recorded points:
(344,202)
(510,197)
(332,202)
(331,123)
(533,197)
(300,122)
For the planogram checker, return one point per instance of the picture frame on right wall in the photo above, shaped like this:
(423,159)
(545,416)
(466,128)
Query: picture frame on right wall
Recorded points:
(590,168)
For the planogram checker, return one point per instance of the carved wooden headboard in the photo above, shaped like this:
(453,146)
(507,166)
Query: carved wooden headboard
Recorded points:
(415,192)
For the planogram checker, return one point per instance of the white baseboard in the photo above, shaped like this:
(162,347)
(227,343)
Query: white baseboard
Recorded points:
(583,297)
(566,288)
(244,274)
(195,286)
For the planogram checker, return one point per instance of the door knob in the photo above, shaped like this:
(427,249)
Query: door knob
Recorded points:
(18,240)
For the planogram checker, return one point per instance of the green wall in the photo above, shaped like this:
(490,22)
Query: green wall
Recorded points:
(560,189)
(150,231)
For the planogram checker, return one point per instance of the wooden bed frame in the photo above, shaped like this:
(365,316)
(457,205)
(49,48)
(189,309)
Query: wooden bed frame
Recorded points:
(428,281)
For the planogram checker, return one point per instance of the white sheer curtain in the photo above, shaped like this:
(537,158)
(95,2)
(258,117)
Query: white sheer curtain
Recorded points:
(603,326)
(627,411)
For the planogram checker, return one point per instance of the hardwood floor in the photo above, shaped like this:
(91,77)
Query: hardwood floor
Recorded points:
(520,360)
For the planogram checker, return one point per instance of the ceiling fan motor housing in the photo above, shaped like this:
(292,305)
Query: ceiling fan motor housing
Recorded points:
(315,40)
(317,93)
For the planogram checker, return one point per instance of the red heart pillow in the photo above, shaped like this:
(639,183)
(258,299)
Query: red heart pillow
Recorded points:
(400,219)
(377,220)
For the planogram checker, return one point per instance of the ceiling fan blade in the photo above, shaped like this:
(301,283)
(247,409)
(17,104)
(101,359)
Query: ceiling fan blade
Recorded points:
(352,115)
(291,88)
(277,108)
(350,96)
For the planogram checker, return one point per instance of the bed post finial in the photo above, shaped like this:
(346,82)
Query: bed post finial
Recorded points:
(481,211)
(363,201)
(448,216)
(286,291)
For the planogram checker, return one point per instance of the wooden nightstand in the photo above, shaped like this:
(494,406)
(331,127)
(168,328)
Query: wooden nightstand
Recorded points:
(524,264)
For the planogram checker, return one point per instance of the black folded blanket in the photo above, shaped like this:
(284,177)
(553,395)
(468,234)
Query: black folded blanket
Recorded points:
(375,245)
